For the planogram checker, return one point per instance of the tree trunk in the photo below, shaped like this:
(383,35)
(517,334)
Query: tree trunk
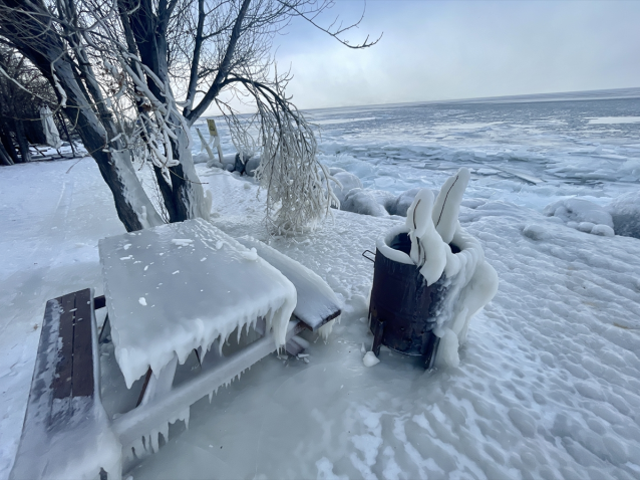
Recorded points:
(5,159)
(7,143)
(184,197)
(23,143)
(39,43)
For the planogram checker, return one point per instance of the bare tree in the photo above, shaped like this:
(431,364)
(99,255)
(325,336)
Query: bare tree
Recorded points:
(119,63)
(23,91)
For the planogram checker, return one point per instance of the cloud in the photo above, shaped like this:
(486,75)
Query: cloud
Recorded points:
(445,50)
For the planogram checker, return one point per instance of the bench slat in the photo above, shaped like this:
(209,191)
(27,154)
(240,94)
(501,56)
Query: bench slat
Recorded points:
(64,420)
(82,373)
(64,369)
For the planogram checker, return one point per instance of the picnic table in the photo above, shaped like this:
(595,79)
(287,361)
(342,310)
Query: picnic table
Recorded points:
(171,292)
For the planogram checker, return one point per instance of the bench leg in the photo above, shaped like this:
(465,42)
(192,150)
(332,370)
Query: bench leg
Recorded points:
(160,384)
(105,331)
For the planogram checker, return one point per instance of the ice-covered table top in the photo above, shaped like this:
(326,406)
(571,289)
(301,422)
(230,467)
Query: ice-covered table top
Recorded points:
(180,286)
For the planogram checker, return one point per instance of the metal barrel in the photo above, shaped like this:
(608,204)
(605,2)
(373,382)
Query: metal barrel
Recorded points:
(403,309)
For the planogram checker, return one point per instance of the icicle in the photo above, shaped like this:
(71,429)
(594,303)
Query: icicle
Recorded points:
(63,94)
(220,344)
(239,333)
(185,416)
(325,330)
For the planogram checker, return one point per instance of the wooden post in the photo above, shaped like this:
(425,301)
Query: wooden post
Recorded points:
(213,131)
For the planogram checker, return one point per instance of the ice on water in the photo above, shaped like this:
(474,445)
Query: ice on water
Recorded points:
(548,380)
(179,287)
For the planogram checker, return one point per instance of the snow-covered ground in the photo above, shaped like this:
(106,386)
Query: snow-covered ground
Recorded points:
(548,384)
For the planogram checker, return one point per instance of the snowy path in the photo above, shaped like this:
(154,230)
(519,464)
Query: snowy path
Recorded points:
(548,385)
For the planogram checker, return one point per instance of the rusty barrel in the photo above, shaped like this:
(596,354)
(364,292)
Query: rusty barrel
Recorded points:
(402,308)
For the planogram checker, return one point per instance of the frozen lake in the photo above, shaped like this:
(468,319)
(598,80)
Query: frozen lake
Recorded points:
(548,384)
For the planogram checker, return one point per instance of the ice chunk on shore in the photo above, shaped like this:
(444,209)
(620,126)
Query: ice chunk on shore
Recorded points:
(402,203)
(625,212)
(370,359)
(348,181)
(363,202)
(579,210)
(582,215)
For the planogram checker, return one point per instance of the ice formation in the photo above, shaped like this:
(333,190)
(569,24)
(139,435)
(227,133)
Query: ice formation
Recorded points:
(348,181)
(303,278)
(582,215)
(551,374)
(185,303)
(370,359)
(625,212)
(470,281)
(364,202)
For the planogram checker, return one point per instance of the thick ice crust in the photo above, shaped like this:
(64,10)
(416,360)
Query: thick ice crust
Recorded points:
(179,287)
(316,300)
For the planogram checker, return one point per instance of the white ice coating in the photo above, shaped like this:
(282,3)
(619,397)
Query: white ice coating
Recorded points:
(447,205)
(383,242)
(203,301)
(49,127)
(427,246)
(309,283)
(470,281)
(133,192)
(199,203)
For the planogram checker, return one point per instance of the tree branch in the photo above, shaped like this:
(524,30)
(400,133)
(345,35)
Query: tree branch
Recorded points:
(225,67)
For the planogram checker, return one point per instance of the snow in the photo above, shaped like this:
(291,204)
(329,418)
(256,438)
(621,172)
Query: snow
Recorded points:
(370,359)
(189,307)
(547,382)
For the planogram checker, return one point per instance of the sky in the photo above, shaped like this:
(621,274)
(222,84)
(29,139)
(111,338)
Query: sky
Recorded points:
(439,50)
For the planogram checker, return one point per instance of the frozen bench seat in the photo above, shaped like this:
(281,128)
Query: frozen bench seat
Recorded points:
(64,413)
(316,303)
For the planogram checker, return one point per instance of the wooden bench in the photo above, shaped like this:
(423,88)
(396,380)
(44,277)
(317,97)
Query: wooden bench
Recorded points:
(64,390)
